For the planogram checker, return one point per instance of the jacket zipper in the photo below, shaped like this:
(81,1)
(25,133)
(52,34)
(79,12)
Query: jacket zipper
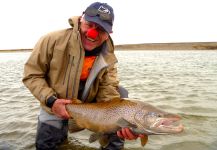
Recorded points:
(76,74)
(67,65)
(71,61)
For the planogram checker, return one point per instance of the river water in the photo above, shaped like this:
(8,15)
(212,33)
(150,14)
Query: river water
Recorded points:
(182,82)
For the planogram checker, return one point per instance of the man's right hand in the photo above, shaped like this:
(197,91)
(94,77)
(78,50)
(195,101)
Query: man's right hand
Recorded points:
(59,108)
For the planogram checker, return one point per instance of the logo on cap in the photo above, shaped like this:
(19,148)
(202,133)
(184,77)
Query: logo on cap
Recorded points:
(104,10)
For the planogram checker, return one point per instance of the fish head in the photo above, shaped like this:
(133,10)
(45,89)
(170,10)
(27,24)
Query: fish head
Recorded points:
(151,120)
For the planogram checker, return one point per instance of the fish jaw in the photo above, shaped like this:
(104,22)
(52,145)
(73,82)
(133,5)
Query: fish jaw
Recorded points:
(167,126)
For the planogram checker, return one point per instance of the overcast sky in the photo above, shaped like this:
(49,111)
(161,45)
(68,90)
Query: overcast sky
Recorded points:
(23,22)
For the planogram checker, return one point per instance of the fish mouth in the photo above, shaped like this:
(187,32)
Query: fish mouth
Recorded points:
(168,125)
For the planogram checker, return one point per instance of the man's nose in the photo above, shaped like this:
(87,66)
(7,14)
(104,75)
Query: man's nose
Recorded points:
(92,33)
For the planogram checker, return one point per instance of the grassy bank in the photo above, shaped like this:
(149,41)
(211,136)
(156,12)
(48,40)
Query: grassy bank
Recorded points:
(169,46)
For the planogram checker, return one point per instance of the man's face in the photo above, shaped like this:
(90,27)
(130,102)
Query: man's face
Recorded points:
(88,42)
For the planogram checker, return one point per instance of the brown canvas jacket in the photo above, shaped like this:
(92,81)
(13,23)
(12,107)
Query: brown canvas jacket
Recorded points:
(55,65)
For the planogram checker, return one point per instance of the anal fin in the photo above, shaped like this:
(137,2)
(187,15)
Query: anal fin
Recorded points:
(144,140)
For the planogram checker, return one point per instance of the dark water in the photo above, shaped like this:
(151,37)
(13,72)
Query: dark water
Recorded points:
(182,82)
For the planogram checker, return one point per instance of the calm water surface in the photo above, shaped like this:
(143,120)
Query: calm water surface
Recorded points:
(182,82)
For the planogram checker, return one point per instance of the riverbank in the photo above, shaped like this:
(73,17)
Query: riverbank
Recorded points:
(152,46)
(15,50)
(169,46)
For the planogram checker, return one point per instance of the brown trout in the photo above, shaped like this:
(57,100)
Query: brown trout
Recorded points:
(108,117)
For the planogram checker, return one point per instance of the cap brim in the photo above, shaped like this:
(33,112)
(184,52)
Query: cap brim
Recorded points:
(106,26)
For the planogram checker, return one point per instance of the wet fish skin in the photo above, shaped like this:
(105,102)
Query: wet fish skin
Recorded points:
(111,116)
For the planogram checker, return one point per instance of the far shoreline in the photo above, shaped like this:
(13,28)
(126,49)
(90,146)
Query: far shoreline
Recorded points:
(149,46)
(15,50)
(169,46)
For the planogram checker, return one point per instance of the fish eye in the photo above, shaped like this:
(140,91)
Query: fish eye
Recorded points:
(154,114)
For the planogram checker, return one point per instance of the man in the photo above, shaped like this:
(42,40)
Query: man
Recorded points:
(78,62)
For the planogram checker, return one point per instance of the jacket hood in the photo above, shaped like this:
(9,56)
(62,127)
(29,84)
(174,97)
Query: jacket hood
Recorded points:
(74,22)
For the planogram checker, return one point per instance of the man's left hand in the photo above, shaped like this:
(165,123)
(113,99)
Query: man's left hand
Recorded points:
(126,133)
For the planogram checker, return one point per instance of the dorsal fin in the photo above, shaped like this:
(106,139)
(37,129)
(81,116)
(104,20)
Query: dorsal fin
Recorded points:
(76,101)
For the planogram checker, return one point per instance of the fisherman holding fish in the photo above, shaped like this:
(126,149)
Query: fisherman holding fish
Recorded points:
(75,63)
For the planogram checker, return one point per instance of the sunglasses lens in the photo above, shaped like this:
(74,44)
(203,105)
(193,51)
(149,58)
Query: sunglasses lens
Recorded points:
(94,12)
(91,12)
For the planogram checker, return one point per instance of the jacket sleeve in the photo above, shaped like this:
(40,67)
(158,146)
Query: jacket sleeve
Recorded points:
(36,69)
(108,86)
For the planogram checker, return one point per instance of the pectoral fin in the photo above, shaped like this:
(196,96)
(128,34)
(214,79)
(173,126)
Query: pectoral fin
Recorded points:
(94,137)
(144,140)
(123,123)
(103,139)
